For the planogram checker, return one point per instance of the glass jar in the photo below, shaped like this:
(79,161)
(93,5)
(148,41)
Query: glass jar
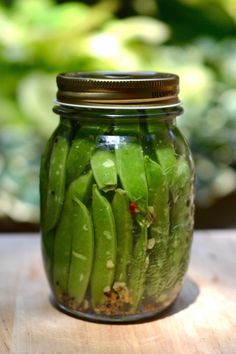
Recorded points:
(116,190)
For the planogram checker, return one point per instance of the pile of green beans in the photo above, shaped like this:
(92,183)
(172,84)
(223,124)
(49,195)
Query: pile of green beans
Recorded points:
(116,215)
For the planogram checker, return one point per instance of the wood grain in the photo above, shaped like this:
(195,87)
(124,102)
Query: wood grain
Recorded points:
(203,319)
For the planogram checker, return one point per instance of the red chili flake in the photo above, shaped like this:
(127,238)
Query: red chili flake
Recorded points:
(132,208)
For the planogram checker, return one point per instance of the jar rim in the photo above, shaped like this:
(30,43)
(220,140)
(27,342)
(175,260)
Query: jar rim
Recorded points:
(109,106)
(148,89)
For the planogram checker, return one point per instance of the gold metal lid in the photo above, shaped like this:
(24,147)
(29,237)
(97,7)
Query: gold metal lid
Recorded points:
(123,89)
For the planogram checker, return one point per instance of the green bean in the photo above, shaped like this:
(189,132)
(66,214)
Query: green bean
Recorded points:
(82,251)
(81,150)
(105,248)
(104,170)
(123,221)
(138,268)
(159,229)
(130,166)
(56,178)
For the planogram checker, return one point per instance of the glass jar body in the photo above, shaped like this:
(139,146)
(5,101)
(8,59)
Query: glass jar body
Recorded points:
(116,193)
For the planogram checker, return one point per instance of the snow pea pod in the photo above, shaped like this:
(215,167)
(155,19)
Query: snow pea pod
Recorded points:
(56,178)
(69,231)
(159,229)
(181,221)
(104,169)
(130,163)
(47,246)
(81,252)
(123,221)
(47,237)
(128,129)
(130,166)
(184,150)
(62,248)
(82,147)
(82,186)
(105,248)
(138,268)
(164,149)
(44,167)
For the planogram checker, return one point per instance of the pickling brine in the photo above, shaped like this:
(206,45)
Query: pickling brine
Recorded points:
(116,187)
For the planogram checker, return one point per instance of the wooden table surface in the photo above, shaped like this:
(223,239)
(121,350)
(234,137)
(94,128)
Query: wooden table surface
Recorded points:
(203,319)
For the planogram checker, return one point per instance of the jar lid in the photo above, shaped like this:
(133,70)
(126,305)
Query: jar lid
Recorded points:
(123,89)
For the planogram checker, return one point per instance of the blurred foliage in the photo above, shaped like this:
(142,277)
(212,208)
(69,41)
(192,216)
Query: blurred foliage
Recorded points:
(38,39)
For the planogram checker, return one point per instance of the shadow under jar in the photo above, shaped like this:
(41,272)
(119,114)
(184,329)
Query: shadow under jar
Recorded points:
(116,186)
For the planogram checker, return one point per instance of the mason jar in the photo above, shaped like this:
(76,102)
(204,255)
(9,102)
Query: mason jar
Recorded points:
(116,186)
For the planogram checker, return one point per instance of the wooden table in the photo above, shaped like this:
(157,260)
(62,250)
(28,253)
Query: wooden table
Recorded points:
(203,320)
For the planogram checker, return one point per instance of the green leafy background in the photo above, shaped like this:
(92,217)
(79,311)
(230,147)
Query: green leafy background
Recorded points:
(38,39)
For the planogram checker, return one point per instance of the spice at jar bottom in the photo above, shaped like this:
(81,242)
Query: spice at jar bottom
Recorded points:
(116,188)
